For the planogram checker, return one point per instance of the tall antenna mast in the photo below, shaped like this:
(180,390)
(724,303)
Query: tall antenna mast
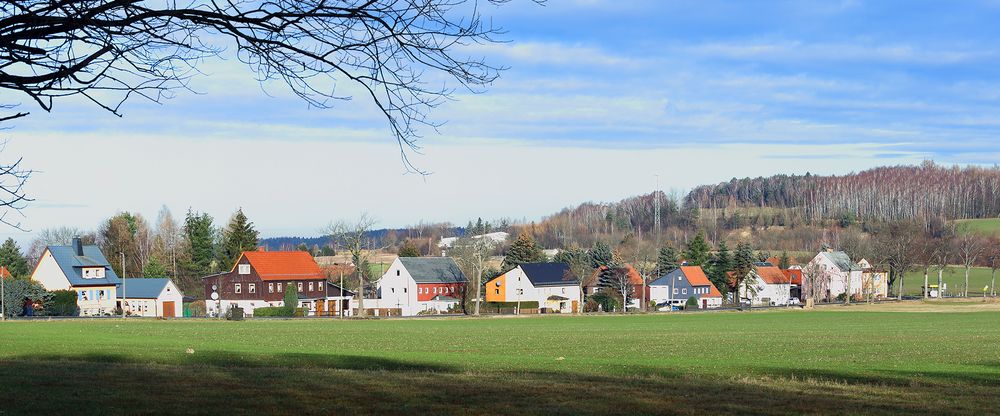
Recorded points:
(656,208)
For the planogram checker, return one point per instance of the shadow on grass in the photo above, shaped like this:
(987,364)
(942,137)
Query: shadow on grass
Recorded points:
(213,383)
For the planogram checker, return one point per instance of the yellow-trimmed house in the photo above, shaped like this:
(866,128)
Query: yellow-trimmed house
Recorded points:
(552,285)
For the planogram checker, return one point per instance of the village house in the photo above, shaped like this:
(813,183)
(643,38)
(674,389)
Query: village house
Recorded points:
(828,275)
(771,287)
(260,278)
(414,285)
(794,276)
(83,269)
(593,284)
(552,285)
(874,281)
(154,297)
(338,301)
(676,287)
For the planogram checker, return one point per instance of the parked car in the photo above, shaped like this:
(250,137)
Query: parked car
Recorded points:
(793,301)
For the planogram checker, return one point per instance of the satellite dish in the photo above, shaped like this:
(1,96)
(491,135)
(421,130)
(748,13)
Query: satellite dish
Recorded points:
(215,296)
(498,283)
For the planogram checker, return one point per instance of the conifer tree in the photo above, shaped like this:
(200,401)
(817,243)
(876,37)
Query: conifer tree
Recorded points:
(12,259)
(698,251)
(409,249)
(667,261)
(524,250)
(784,262)
(200,235)
(239,236)
(721,264)
(600,255)
(743,264)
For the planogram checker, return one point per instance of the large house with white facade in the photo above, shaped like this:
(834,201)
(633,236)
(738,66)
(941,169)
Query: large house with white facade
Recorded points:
(829,274)
(552,285)
(420,284)
(676,287)
(770,286)
(83,269)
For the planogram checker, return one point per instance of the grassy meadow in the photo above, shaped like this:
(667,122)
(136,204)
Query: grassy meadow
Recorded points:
(986,226)
(914,358)
(954,277)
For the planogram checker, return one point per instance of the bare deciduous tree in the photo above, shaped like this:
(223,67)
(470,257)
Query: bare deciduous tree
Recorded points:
(473,253)
(968,248)
(352,236)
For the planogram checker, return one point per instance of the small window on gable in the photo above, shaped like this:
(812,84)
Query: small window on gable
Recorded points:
(397,272)
(393,290)
(498,291)
(244,269)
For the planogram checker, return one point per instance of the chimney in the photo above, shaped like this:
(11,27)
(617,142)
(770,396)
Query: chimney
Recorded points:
(261,248)
(78,246)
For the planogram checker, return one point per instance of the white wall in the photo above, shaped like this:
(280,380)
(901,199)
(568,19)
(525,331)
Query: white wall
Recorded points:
(48,273)
(398,289)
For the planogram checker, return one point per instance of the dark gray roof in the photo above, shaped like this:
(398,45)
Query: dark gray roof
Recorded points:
(667,278)
(842,260)
(72,265)
(549,274)
(143,288)
(333,289)
(433,269)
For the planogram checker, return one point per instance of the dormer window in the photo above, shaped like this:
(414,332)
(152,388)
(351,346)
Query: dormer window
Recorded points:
(93,272)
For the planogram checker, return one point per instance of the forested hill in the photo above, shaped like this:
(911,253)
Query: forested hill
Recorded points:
(885,193)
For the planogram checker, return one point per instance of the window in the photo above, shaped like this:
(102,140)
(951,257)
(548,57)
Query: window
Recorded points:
(244,269)
(684,291)
(238,288)
(300,286)
(310,286)
(675,290)
(453,289)
(252,288)
(280,286)
(435,291)
(498,291)
(404,290)
(270,288)
(392,290)
(397,272)
(564,290)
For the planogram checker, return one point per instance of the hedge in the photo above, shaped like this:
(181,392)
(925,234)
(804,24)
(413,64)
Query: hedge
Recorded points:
(279,311)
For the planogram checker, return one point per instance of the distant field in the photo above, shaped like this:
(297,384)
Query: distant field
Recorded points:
(954,277)
(987,227)
(839,360)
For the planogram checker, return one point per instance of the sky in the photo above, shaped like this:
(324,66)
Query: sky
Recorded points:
(599,97)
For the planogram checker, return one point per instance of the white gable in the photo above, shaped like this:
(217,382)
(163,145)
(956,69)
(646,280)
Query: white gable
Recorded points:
(49,274)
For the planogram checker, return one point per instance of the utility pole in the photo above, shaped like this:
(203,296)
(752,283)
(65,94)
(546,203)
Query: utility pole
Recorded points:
(124,300)
(3,299)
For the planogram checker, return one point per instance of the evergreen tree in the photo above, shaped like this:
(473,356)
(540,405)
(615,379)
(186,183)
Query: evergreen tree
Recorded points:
(291,300)
(200,235)
(784,262)
(743,264)
(698,251)
(721,264)
(600,255)
(239,236)
(524,250)
(154,268)
(302,247)
(12,259)
(409,249)
(667,261)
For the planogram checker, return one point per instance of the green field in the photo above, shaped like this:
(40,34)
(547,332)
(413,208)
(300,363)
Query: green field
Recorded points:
(832,361)
(986,226)
(954,277)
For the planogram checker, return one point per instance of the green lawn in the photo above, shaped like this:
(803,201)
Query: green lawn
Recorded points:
(954,277)
(986,226)
(832,361)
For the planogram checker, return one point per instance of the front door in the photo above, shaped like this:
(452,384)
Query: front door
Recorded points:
(168,309)
(704,303)
(319,307)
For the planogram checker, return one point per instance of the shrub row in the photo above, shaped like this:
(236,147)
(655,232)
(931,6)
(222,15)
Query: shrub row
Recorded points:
(279,311)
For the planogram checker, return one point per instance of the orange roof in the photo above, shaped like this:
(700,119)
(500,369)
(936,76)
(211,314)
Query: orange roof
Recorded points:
(794,275)
(774,260)
(771,275)
(283,265)
(633,275)
(696,277)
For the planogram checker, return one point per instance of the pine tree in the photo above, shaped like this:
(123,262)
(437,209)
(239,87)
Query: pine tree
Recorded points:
(239,236)
(784,262)
(291,300)
(743,264)
(12,259)
(200,235)
(721,264)
(698,251)
(409,249)
(600,255)
(667,261)
(524,250)
(154,268)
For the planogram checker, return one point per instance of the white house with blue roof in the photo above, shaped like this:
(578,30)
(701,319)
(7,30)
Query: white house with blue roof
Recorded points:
(83,269)
(157,297)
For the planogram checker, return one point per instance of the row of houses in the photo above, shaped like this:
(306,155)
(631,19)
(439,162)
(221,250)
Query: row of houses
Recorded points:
(416,285)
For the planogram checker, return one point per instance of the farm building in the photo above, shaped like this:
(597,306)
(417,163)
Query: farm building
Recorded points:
(151,297)
(83,269)
(260,278)
(874,281)
(829,274)
(415,284)
(676,287)
(552,285)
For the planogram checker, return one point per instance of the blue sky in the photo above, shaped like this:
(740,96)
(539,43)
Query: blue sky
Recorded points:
(599,97)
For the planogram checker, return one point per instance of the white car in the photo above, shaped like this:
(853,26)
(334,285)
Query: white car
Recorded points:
(793,301)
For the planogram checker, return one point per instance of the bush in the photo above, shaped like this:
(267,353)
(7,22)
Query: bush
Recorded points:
(234,313)
(841,297)
(62,303)
(606,301)
(692,303)
(272,311)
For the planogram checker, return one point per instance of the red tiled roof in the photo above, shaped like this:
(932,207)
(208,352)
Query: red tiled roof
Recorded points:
(283,265)
(774,260)
(771,275)
(633,275)
(696,277)
(795,275)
